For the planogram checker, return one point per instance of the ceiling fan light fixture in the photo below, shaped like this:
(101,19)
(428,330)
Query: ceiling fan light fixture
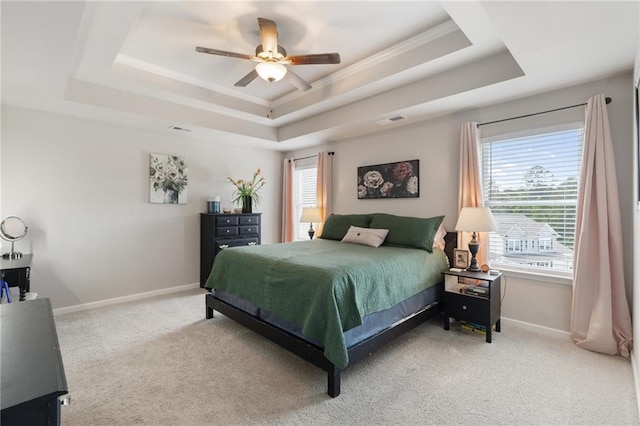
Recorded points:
(271,71)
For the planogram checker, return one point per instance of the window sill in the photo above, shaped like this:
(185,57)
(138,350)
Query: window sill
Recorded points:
(536,276)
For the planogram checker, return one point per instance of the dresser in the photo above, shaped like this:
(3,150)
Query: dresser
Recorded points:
(33,378)
(17,272)
(219,231)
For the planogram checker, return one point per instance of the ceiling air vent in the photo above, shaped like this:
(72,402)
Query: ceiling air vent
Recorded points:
(179,128)
(390,120)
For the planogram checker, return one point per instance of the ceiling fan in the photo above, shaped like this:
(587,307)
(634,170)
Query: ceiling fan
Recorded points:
(272,58)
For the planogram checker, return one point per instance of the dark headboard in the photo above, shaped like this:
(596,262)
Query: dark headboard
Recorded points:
(451,242)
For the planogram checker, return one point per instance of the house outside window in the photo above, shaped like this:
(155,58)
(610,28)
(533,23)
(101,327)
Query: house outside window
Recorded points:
(530,182)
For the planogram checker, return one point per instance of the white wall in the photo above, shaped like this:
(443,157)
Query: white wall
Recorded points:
(436,144)
(82,187)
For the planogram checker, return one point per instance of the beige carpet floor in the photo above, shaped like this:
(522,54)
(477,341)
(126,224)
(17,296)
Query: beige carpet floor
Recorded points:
(159,362)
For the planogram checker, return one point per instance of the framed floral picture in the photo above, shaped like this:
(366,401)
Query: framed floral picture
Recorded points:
(390,180)
(167,179)
(460,258)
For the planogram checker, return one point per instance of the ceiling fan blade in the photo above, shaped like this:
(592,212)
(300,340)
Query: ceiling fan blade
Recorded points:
(297,81)
(269,35)
(320,58)
(223,53)
(247,79)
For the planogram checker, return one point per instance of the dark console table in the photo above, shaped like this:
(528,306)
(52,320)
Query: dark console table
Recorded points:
(33,376)
(17,273)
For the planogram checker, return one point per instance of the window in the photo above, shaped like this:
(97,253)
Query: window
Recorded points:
(531,185)
(305,194)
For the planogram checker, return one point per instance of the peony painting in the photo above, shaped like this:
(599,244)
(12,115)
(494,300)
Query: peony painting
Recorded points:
(167,179)
(391,180)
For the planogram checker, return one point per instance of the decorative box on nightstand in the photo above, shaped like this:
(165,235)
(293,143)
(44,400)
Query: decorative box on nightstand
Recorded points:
(480,307)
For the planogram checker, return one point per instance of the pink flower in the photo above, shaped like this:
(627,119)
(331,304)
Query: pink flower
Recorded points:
(401,171)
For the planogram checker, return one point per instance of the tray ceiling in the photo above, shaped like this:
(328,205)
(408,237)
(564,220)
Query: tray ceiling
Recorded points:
(135,63)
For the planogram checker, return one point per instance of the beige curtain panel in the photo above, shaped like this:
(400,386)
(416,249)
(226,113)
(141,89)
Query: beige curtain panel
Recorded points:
(288,209)
(324,187)
(470,184)
(600,318)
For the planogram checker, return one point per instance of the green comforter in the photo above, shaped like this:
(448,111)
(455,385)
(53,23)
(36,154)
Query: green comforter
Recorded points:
(325,286)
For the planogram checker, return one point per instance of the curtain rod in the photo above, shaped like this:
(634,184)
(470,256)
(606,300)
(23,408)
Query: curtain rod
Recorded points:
(608,100)
(308,156)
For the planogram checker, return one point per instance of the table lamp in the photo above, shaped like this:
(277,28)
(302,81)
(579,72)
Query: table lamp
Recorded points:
(475,219)
(311,214)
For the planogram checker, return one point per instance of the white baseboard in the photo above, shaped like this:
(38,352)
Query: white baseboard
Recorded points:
(138,296)
(536,327)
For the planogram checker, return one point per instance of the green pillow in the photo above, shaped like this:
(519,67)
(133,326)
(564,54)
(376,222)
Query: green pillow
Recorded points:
(407,231)
(337,225)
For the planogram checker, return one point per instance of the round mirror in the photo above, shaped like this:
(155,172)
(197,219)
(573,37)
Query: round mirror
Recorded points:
(12,229)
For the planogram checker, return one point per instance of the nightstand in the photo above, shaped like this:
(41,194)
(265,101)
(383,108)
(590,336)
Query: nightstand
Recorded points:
(483,309)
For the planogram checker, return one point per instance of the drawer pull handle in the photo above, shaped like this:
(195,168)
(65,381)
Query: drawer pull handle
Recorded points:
(249,220)
(249,230)
(224,246)
(464,307)
(252,243)
(227,231)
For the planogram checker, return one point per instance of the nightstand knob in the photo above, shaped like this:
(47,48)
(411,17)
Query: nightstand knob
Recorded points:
(464,307)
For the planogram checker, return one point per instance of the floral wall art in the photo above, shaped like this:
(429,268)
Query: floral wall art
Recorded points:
(168,179)
(390,180)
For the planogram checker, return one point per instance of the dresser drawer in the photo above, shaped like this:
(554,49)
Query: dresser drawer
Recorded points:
(246,230)
(249,220)
(226,231)
(236,242)
(226,220)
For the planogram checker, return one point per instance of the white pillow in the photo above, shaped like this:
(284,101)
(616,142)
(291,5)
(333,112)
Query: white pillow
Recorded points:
(438,239)
(365,236)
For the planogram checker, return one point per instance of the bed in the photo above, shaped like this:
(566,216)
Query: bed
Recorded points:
(330,301)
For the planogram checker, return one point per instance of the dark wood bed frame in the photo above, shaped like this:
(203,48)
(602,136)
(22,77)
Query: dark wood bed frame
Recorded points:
(314,353)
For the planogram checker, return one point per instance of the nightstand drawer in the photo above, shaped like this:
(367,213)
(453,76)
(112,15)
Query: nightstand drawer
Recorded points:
(467,308)
(226,231)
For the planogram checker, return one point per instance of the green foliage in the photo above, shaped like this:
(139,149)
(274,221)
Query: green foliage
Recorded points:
(542,200)
(248,188)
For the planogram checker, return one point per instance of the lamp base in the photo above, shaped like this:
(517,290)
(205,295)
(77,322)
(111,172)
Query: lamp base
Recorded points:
(474,247)
(311,232)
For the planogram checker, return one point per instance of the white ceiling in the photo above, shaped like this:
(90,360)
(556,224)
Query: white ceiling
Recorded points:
(134,63)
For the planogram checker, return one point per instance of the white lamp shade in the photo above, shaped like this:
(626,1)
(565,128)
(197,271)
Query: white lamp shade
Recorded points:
(271,71)
(311,215)
(476,219)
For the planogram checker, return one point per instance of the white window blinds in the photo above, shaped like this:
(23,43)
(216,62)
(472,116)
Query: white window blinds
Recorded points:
(306,182)
(531,185)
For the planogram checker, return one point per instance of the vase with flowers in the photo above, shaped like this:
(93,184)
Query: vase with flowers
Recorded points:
(246,191)
(168,174)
